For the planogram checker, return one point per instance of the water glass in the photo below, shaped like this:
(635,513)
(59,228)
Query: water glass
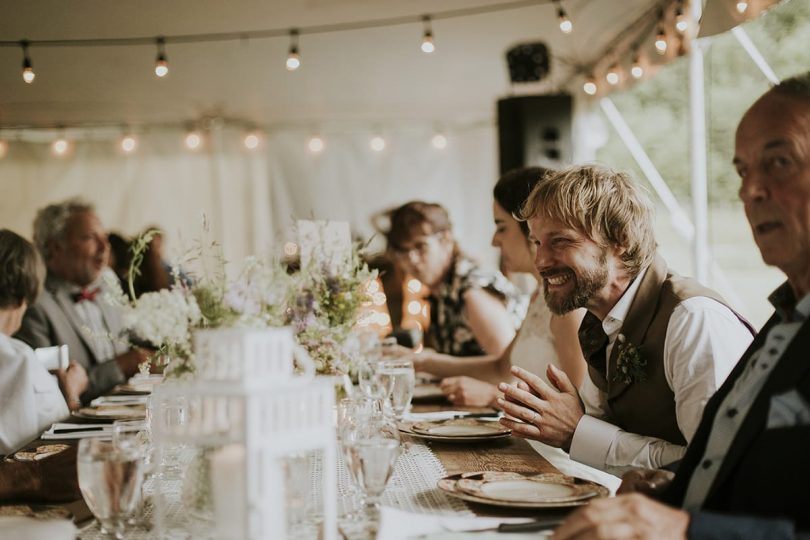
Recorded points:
(110,480)
(399,379)
(371,460)
(133,435)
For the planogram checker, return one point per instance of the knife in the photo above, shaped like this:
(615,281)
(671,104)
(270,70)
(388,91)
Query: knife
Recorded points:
(546,524)
(493,414)
(76,430)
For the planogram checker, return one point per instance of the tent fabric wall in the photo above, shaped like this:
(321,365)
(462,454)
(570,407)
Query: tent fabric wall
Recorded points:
(251,200)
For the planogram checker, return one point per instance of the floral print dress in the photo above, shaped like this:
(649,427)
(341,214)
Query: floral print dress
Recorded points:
(449,331)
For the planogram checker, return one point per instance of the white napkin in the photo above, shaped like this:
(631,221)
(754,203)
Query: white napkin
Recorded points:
(119,400)
(430,416)
(106,431)
(26,528)
(398,524)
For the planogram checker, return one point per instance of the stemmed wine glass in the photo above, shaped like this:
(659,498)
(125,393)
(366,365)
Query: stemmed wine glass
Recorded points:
(110,480)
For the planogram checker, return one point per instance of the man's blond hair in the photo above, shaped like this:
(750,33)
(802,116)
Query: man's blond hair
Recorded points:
(606,205)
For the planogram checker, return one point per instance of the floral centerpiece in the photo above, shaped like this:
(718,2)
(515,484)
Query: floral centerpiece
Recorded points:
(322,302)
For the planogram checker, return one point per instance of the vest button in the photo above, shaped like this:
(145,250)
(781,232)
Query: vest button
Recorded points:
(707,463)
(731,413)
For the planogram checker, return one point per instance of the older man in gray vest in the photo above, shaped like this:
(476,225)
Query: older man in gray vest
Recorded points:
(657,345)
(71,310)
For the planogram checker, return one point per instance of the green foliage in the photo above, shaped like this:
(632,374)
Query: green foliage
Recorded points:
(658,109)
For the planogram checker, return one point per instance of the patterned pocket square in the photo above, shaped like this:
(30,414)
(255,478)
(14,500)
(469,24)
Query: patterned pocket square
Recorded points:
(789,409)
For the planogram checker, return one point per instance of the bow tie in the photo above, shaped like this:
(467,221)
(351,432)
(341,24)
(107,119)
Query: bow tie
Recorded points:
(86,294)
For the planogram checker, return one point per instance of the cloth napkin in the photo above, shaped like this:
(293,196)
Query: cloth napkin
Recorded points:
(106,431)
(398,524)
(431,416)
(119,400)
(26,528)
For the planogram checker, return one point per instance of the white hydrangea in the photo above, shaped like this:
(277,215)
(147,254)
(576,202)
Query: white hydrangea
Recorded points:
(165,318)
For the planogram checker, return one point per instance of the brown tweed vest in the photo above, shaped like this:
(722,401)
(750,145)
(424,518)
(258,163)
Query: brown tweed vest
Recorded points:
(648,407)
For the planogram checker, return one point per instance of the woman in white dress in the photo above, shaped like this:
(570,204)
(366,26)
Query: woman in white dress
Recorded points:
(30,397)
(543,339)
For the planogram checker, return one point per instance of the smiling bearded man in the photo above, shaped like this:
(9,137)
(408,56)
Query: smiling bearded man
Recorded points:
(658,345)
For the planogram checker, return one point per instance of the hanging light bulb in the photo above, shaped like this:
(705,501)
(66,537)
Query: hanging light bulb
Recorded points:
(28,74)
(590,86)
(252,140)
(60,146)
(129,144)
(161,63)
(636,70)
(377,143)
(427,37)
(566,26)
(741,7)
(661,40)
(612,76)
(681,22)
(193,140)
(315,144)
(293,58)
(439,141)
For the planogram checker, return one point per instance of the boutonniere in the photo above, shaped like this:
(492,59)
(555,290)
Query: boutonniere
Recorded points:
(630,365)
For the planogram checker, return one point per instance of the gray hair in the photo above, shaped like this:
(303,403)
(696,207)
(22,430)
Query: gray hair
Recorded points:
(51,222)
(797,86)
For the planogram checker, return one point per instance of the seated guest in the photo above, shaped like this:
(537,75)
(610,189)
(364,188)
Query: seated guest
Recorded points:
(71,309)
(30,400)
(120,258)
(657,345)
(746,472)
(472,311)
(543,339)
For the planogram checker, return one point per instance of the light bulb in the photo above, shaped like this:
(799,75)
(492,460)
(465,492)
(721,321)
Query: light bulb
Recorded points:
(612,76)
(590,86)
(661,42)
(60,147)
(439,141)
(377,143)
(681,23)
(414,285)
(293,60)
(129,144)
(28,74)
(637,71)
(566,26)
(161,67)
(427,44)
(741,7)
(315,144)
(193,140)
(251,141)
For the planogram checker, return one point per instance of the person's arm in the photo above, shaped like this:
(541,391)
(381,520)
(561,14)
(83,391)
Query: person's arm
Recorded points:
(714,526)
(564,332)
(704,342)
(489,321)
(490,368)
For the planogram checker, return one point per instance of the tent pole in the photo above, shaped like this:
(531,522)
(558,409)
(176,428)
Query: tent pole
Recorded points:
(745,41)
(697,125)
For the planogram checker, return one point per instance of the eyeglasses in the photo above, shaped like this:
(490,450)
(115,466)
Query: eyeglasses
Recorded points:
(420,247)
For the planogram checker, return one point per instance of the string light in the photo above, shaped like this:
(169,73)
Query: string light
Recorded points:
(661,40)
(590,86)
(612,76)
(427,37)
(293,58)
(377,143)
(741,7)
(636,70)
(28,74)
(161,63)
(129,144)
(193,140)
(60,147)
(566,26)
(439,141)
(252,140)
(681,22)
(315,144)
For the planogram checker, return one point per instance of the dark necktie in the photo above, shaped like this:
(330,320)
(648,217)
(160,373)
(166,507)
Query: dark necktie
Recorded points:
(593,340)
(85,294)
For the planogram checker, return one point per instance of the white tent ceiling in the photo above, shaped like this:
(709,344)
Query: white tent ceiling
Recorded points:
(375,74)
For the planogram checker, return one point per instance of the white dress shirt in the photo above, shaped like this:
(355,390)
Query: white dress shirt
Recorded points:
(704,341)
(30,399)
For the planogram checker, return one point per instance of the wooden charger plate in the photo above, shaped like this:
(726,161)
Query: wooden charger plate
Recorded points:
(425,431)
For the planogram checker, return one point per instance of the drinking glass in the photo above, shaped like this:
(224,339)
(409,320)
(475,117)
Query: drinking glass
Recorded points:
(399,379)
(110,480)
(371,452)
(172,414)
(133,435)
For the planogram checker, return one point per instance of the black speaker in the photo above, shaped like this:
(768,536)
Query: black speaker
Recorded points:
(535,131)
(528,62)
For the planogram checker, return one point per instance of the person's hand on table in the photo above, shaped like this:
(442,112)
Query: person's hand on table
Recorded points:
(647,481)
(130,361)
(626,516)
(73,382)
(422,360)
(540,412)
(469,392)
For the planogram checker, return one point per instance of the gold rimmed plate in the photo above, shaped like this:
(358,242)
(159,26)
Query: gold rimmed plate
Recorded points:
(112,412)
(407,428)
(461,427)
(519,490)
